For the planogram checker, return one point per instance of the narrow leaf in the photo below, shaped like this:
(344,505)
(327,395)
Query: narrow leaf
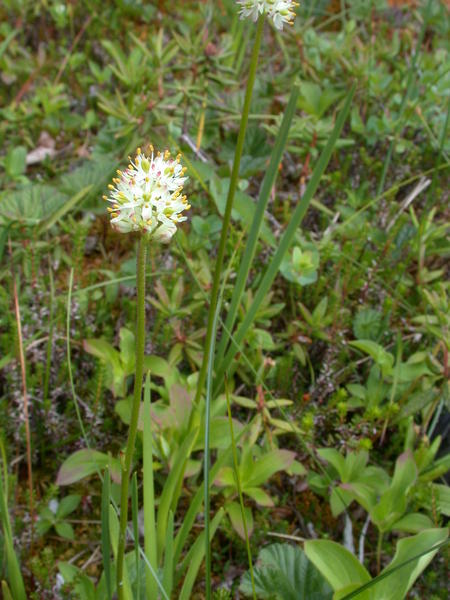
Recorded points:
(284,244)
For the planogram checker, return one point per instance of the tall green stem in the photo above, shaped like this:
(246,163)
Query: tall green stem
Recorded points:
(139,372)
(229,206)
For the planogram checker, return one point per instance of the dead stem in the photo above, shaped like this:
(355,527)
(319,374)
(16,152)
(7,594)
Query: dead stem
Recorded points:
(24,392)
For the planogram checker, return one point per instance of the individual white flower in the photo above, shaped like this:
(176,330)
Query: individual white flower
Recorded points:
(147,195)
(280,11)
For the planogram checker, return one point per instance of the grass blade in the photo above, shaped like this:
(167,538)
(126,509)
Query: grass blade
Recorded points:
(228,208)
(114,536)
(195,556)
(264,195)
(168,557)
(196,502)
(168,498)
(285,243)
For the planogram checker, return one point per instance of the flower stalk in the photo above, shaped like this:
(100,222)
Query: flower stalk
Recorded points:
(228,207)
(139,373)
(214,308)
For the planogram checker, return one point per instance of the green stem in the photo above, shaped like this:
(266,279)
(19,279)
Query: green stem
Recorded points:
(139,372)
(379,544)
(239,488)
(229,206)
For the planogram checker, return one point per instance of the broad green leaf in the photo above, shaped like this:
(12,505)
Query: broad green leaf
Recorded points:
(343,593)
(127,349)
(68,505)
(405,472)
(284,572)
(396,586)
(6,591)
(259,496)
(337,564)
(159,367)
(30,205)
(335,459)
(220,433)
(225,477)
(42,526)
(339,500)
(65,530)
(234,512)
(85,462)
(83,588)
(392,503)
(106,352)
(15,161)
(266,466)
(355,465)
(383,359)
(362,493)
(413,523)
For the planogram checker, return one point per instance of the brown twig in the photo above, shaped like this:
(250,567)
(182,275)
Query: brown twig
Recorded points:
(71,49)
(24,390)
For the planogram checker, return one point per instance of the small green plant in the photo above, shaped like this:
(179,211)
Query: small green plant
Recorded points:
(55,514)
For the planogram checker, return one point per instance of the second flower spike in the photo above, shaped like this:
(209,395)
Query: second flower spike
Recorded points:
(280,11)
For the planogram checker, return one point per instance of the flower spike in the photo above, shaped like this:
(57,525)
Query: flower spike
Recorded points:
(280,11)
(147,195)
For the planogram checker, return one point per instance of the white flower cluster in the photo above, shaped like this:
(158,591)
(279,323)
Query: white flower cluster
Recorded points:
(280,11)
(147,196)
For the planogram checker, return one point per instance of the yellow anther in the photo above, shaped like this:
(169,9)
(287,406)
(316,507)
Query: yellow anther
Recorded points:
(111,187)
(138,151)
(105,197)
